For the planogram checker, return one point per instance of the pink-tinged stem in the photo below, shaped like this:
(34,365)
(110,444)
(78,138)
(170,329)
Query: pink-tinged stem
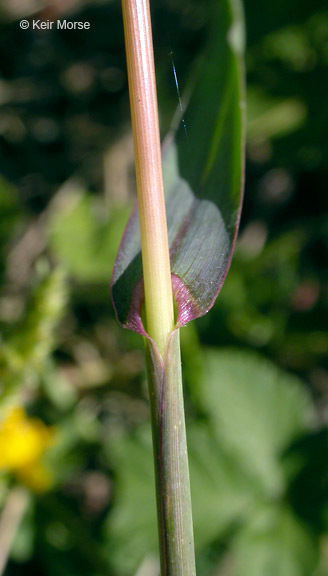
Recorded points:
(163,346)
(151,203)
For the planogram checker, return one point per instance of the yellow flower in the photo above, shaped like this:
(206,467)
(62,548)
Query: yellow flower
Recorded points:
(23,442)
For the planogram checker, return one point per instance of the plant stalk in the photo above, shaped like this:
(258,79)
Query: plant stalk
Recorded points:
(174,513)
(163,350)
(10,519)
(148,163)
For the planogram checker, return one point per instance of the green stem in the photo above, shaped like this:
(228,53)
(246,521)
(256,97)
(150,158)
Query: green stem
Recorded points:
(163,347)
(171,461)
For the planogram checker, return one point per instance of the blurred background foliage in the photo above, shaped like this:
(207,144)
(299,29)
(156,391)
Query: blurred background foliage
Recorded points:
(76,482)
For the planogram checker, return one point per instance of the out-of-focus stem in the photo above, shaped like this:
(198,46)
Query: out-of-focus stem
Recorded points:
(10,519)
(151,203)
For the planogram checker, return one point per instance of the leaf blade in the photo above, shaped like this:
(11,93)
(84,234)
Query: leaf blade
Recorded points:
(203,180)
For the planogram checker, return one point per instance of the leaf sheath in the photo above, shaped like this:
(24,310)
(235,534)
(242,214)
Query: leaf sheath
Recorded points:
(171,460)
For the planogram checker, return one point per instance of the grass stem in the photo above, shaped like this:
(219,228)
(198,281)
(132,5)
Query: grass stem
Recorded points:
(148,163)
(163,359)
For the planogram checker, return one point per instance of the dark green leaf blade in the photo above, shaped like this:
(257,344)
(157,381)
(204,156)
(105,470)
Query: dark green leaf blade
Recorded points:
(203,180)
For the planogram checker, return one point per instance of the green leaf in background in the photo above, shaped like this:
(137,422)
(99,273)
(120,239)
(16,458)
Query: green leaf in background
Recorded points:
(131,527)
(275,543)
(239,477)
(84,235)
(255,411)
(203,178)
(221,495)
